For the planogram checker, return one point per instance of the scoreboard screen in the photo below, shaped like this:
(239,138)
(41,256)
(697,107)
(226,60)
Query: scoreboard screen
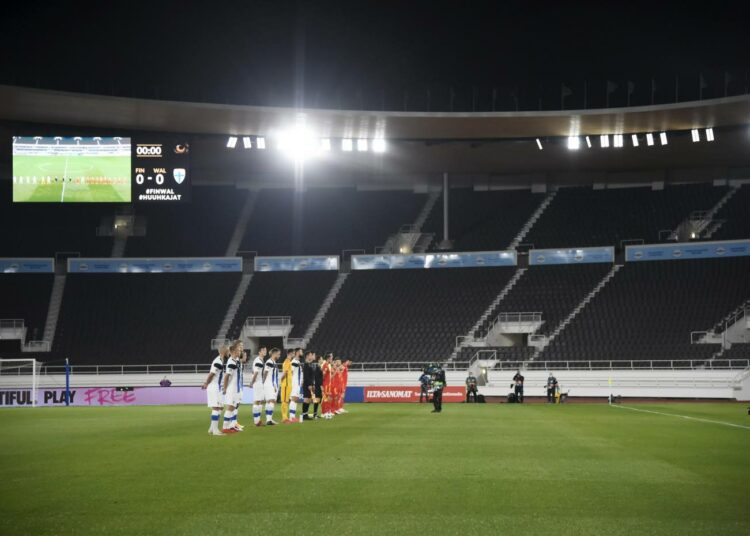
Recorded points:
(56,169)
(161,171)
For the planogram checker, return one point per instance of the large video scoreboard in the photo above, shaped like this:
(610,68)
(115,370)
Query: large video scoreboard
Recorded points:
(56,169)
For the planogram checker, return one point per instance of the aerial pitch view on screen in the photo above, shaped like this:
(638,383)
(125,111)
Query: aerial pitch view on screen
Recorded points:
(71,170)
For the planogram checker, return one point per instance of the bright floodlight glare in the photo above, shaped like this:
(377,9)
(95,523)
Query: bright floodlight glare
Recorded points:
(574,143)
(649,139)
(361,145)
(604,140)
(347,145)
(325,144)
(298,143)
(709,134)
(539,143)
(260,142)
(634,139)
(663,138)
(378,145)
(246,142)
(618,140)
(232,142)
(588,142)
(696,135)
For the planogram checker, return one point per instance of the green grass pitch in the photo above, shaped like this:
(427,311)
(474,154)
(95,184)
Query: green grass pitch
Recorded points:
(382,469)
(84,168)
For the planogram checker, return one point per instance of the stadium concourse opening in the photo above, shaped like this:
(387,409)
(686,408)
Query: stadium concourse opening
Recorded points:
(483,292)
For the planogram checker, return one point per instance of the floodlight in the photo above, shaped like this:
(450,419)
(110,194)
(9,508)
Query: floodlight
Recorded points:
(246,142)
(539,144)
(298,143)
(232,142)
(663,138)
(347,145)
(604,140)
(696,135)
(709,134)
(574,143)
(618,141)
(588,142)
(378,145)
(649,139)
(361,145)
(260,142)
(634,139)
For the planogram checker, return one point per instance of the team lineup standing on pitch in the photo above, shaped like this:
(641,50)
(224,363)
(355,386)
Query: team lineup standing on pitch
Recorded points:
(315,381)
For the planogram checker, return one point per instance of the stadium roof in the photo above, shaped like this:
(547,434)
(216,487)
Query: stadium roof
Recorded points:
(74,109)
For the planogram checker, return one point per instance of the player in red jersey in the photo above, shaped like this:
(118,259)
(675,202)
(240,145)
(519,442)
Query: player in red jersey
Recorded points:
(344,382)
(327,368)
(336,384)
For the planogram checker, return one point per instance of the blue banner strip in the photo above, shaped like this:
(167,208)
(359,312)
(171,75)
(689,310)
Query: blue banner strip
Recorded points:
(154,266)
(434,260)
(688,250)
(296,264)
(27,266)
(572,256)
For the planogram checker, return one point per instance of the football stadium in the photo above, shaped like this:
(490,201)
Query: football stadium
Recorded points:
(375,268)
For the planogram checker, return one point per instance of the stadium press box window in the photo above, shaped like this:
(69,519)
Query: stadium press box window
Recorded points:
(58,169)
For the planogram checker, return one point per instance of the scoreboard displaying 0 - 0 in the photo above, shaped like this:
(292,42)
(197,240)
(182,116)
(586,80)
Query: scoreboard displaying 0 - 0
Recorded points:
(161,171)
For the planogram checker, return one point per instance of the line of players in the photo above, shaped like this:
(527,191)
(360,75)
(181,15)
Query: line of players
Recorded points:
(315,381)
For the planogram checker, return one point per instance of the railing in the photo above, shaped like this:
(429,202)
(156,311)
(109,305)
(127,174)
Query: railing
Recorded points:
(524,248)
(632,242)
(216,343)
(12,323)
(297,342)
(36,346)
(268,321)
(414,366)
(670,234)
(697,336)
(698,215)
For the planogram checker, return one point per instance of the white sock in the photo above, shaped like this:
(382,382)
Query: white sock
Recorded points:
(215,420)
(269,411)
(292,410)
(234,416)
(227,419)
(256,413)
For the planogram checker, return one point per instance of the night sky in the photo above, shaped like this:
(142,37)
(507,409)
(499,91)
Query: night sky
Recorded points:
(392,55)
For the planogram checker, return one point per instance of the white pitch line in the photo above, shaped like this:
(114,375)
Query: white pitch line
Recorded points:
(65,172)
(682,416)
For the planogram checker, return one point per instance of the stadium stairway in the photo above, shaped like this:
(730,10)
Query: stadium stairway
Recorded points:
(53,312)
(469,337)
(607,278)
(716,208)
(239,229)
(234,306)
(518,239)
(320,315)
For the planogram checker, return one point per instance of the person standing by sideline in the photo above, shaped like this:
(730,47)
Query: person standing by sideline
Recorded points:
(518,386)
(438,384)
(551,388)
(424,386)
(471,388)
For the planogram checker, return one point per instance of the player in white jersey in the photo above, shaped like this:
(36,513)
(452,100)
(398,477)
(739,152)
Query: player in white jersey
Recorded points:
(296,382)
(257,384)
(229,388)
(241,361)
(271,384)
(212,386)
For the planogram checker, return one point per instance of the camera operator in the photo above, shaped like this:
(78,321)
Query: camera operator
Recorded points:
(551,388)
(471,388)
(424,386)
(518,386)
(437,385)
